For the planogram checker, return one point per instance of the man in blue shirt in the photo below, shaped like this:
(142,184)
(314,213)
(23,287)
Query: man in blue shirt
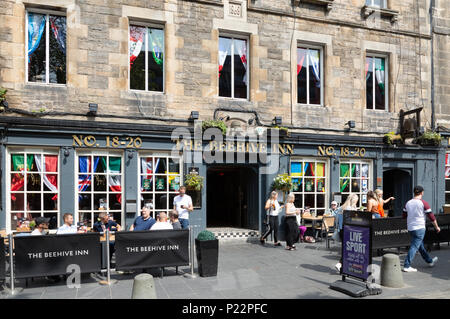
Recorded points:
(105,223)
(143,222)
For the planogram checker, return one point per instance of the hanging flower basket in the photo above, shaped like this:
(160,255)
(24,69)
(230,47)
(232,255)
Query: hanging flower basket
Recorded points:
(282,182)
(429,138)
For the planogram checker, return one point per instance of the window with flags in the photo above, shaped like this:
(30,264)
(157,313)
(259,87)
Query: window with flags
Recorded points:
(309,75)
(100,180)
(160,181)
(233,67)
(447,178)
(376,3)
(310,184)
(146,54)
(355,178)
(376,82)
(46,47)
(33,187)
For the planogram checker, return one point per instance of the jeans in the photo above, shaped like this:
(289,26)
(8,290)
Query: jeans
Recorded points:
(417,245)
(184,223)
(273,226)
(376,215)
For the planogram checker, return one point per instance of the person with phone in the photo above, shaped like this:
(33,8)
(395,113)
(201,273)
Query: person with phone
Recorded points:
(183,205)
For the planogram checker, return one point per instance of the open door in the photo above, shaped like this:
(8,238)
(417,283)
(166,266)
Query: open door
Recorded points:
(397,183)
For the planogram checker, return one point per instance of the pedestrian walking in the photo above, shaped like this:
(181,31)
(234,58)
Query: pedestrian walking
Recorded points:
(272,208)
(416,211)
(381,201)
(291,221)
(349,204)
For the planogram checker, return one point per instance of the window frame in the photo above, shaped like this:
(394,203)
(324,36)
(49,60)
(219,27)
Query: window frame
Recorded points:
(384,56)
(147,25)
(370,178)
(245,38)
(92,192)
(308,46)
(25,151)
(327,178)
(47,45)
(382,6)
(155,154)
(447,166)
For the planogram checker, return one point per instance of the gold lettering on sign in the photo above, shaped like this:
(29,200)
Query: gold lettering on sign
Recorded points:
(77,140)
(240,147)
(89,140)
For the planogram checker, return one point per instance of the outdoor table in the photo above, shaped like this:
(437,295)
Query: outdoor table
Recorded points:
(314,220)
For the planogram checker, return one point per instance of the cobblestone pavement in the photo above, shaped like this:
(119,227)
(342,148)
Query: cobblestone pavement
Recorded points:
(250,270)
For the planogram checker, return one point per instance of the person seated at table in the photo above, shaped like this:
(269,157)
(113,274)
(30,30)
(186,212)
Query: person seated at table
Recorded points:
(302,228)
(105,223)
(173,215)
(162,222)
(41,226)
(143,222)
(381,202)
(333,211)
(372,204)
(68,227)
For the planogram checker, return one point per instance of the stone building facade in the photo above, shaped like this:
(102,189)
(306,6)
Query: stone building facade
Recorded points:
(345,33)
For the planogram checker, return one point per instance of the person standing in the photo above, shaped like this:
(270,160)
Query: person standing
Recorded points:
(381,201)
(372,204)
(272,210)
(415,211)
(143,222)
(183,205)
(291,213)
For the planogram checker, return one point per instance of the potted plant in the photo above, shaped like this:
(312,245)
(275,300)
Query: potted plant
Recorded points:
(282,183)
(215,123)
(429,138)
(194,186)
(391,138)
(207,250)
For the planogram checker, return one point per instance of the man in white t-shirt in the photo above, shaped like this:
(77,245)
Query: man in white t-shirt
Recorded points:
(162,222)
(416,211)
(183,205)
(68,227)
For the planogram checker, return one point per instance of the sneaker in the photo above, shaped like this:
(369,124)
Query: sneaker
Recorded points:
(431,264)
(338,267)
(409,269)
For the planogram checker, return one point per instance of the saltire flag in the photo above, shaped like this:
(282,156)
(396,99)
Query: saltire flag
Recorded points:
(50,165)
(36,27)
(114,176)
(58,25)
(137,35)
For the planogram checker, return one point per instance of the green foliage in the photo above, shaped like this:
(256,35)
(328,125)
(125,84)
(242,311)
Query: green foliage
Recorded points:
(215,123)
(194,182)
(32,225)
(430,138)
(392,138)
(206,235)
(282,182)
(3,94)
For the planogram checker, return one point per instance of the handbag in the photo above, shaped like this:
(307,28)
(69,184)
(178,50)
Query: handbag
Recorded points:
(336,236)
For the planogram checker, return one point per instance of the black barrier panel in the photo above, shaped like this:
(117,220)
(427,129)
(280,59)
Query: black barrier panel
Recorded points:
(156,248)
(431,236)
(357,218)
(37,256)
(2,259)
(390,233)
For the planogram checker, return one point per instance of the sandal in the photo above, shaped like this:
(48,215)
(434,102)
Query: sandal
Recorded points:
(277,244)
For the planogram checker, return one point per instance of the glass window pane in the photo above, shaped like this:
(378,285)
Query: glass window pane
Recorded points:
(32,165)
(174,166)
(225,67)
(85,218)
(161,201)
(365,170)
(84,164)
(50,182)
(115,201)
(309,169)
(355,170)
(344,185)
(53,223)
(147,166)
(36,47)
(321,201)
(33,201)
(345,170)
(160,166)
(51,163)
(320,185)
(369,83)
(309,185)
(17,162)
(240,68)
(84,202)
(380,100)
(447,198)
(447,185)
(310,201)
(100,183)
(364,185)
(301,75)
(355,185)
(34,182)
(146,198)
(17,201)
(296,169)
(147,184)
(57,50)
(84,183)
(298,201)
(114,182)
(17,182)
(100,164)
(314,76)
(50,201)
(100,200)
(161,183)
(137,57)
(115,165)
(174,183)
(320,169)
(297,185)
(155,59)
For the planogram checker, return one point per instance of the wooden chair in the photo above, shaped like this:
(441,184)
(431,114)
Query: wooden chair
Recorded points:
(327,228)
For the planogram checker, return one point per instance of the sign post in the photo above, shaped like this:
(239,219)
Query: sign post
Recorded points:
(12,289)
(191,246)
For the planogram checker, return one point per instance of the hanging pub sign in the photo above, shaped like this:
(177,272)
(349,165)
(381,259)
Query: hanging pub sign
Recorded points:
(2,259)
(147,249)
(49,255)
(193,170)
(356,244)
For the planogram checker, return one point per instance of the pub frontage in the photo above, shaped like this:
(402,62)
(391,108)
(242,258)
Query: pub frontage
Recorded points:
(52,167)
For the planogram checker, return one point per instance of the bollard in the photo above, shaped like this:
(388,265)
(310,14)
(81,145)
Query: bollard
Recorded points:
(391,274)
(143,287)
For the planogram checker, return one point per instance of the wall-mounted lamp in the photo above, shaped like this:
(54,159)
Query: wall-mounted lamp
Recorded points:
(277,120)
(130,154)
(66,151)
(335,159)
(4,103)
(194,116)
(93,107)
(351,124)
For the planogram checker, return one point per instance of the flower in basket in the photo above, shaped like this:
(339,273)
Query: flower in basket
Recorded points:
(194,182)
(282,182)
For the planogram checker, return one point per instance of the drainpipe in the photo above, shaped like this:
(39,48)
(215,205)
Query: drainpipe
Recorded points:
(432,4)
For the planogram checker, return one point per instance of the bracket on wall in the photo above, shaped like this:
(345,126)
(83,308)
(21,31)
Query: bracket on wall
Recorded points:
(327,3)
(392,14)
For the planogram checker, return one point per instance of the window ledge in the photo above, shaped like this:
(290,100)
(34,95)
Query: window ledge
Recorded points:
(392,14)
(327,3)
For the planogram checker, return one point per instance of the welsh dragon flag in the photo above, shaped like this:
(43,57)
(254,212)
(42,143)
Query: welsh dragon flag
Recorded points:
(379,73)
(114,180)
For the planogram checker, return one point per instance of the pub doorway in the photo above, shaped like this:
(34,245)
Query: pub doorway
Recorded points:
(397,183)
(232,197)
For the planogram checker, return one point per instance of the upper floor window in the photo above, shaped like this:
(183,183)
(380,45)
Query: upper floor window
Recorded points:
(233,68)
(309,75)
(376,83)
(46,48)
(146,58)
(447,178)
(376,3)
